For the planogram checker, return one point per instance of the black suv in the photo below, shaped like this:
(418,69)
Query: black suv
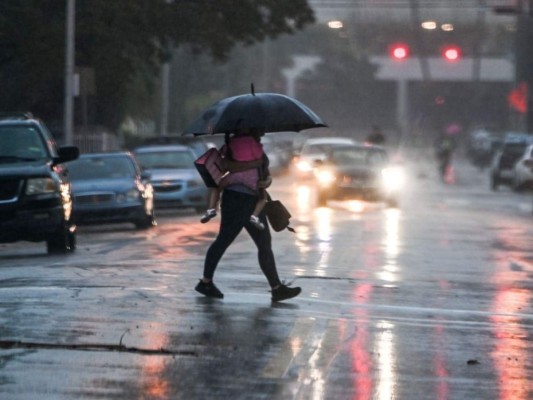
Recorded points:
(35,197)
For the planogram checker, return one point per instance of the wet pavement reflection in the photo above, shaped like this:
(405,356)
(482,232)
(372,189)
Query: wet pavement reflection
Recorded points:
(431,300)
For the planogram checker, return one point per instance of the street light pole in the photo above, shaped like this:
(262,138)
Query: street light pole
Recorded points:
(69,73)
(523,10)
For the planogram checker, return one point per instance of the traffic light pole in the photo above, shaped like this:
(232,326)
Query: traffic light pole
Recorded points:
(524,59)
(524,50)
(69,73)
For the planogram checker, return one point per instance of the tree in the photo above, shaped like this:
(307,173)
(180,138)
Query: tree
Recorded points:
(124,42)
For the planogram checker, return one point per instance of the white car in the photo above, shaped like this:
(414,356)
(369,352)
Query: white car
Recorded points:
(316,149)
(523,170)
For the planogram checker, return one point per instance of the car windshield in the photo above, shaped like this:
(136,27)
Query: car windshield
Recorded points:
(176,159)
(513,151)
(20,143)
(320,148)
(357,157)
(89,168)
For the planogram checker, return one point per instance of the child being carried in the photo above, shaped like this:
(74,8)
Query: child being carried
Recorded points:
(240,147)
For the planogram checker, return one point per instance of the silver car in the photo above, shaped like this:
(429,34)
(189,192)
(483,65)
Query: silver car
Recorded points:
(176,182)
(523,170)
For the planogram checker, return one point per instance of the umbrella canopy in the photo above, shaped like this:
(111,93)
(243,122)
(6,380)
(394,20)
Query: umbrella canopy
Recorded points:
(270,112)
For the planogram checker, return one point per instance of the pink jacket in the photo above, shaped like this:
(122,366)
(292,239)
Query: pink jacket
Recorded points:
(244,148)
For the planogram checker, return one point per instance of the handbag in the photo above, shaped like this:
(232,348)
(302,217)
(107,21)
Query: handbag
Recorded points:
(277,214)
(209,165)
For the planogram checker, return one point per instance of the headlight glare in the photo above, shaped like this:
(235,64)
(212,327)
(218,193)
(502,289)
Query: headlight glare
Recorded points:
(325,177)
(393,177)
(304,166)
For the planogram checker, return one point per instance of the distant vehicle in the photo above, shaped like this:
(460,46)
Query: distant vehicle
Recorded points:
(523,170)
(35,193)
(176,181)
(110,188)
(199,144)
(502,166)
(316,149)
(480,148)
(361,172)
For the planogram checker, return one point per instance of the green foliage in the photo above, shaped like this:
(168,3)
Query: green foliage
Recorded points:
(124,42)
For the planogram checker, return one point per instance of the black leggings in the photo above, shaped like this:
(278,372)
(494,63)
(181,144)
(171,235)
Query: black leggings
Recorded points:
(236,208)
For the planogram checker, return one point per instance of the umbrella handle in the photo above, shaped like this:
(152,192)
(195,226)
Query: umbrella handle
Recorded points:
(252,89)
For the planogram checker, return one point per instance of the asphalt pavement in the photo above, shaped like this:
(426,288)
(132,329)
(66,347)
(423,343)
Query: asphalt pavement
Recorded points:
(432,300)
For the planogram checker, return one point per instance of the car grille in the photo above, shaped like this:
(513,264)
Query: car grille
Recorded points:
(359,178)
(165,187)
(93,199)
(9,189)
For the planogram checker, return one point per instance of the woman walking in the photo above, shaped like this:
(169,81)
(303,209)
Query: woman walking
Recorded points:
(237,204)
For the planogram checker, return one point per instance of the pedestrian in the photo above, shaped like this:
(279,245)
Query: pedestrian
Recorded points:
(375,136)
(236,205)
(240,147)
(443,151)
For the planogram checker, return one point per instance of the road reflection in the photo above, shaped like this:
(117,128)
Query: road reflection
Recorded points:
(153,381)
(391,244)
(512,345)
(359,347)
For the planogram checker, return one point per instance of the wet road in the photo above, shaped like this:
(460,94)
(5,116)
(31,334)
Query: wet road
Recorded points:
(429,301)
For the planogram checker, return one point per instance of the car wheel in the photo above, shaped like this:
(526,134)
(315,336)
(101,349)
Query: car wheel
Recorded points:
(146,222)
(494,182)
(517,185)
(62,242)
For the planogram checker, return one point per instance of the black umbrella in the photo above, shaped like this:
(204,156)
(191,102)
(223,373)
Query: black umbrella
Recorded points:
(269,112)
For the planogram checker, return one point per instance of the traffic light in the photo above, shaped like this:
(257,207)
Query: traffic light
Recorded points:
(451,53)
(399,51)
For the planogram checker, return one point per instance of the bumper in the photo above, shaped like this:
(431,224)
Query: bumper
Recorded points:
(109,214)
(197,197)
(34,225)
(344,193)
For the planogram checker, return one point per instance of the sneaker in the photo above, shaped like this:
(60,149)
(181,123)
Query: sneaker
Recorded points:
(209,290)
(211,213)
(256,222)
(283,292)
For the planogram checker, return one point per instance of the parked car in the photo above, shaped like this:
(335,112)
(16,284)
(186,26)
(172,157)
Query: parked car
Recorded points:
(316,149)
(35,193)
(110,188)
(174,177)
(362,172)
(523,170)
(502,166)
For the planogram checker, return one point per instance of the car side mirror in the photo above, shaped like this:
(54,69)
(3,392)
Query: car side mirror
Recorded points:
(68,153)
(145,176)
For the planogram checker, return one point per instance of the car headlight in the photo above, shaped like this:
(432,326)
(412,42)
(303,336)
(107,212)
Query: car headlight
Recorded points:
(304,166)
(36,186)
(130,195)
(393,177)
(325,177)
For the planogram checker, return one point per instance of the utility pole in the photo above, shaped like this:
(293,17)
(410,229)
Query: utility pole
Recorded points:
(524,57)
(524,50)
(69,73)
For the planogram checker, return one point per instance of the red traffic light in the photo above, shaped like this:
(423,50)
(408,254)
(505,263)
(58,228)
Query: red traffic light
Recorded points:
(399,51)
(451,53)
